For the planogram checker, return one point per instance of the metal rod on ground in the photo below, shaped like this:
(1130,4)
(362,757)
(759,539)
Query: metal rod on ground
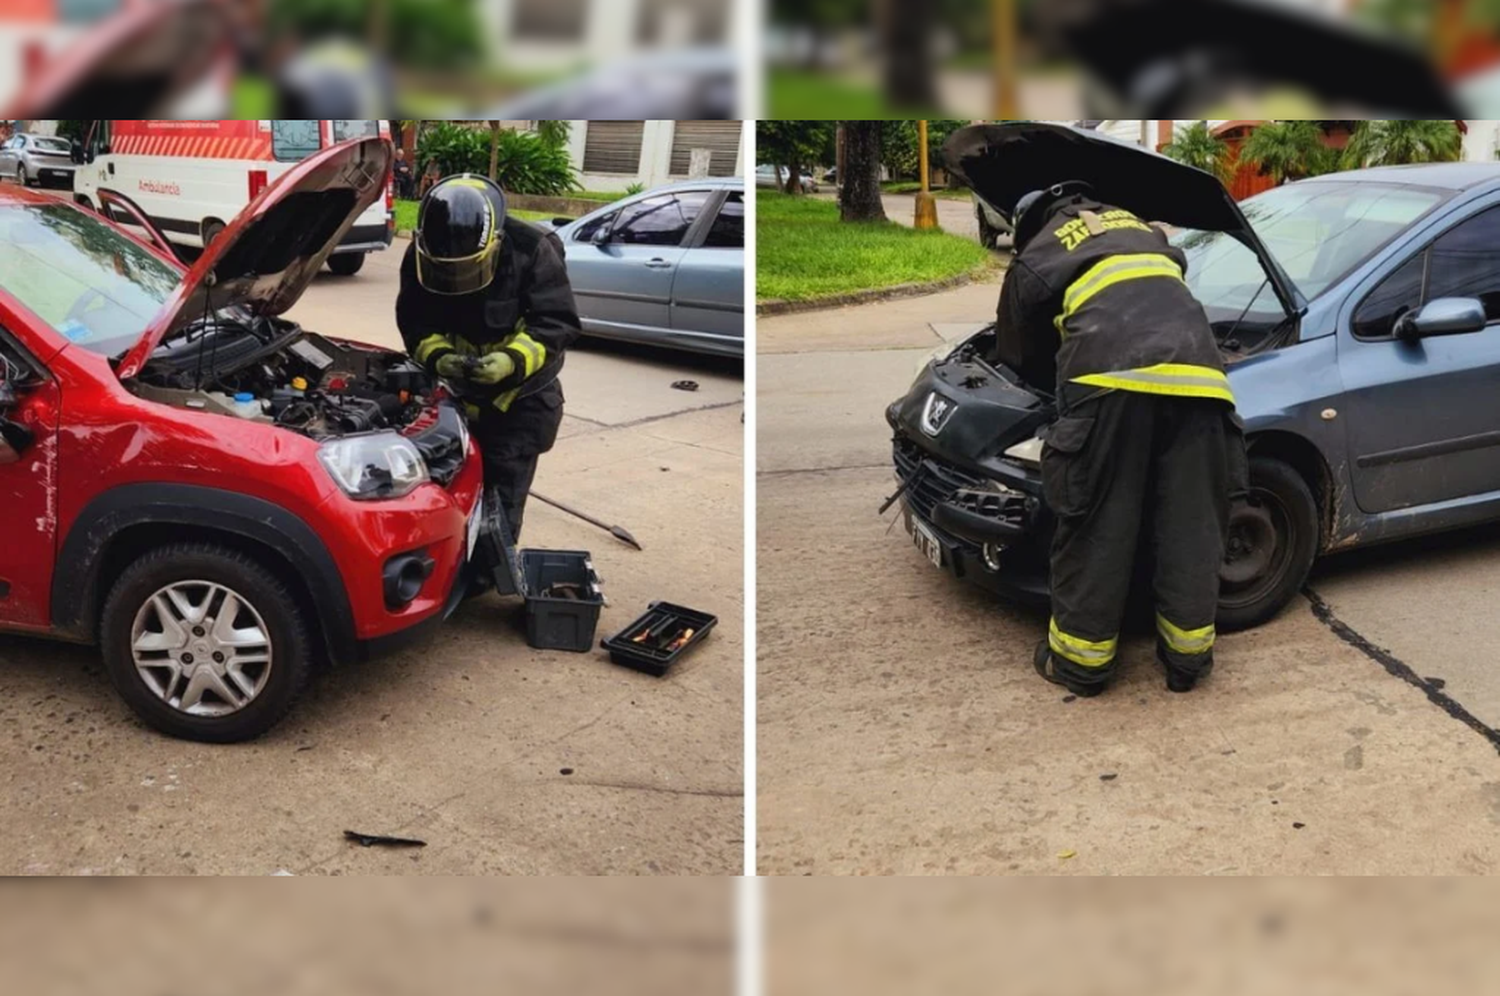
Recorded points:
(618,532)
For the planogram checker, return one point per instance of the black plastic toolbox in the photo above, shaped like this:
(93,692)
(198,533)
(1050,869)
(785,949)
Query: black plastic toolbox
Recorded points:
(669,622)
(553,621)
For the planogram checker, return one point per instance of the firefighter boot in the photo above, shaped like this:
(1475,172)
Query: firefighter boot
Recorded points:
(1042,661)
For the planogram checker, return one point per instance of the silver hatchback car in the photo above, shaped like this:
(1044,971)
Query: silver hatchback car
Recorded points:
(665,267)
(30,159)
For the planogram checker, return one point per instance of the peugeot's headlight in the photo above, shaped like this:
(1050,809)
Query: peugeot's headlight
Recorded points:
(374,465)
(1028,452)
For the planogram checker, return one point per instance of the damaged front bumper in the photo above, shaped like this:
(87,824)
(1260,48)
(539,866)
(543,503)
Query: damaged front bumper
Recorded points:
(972,527)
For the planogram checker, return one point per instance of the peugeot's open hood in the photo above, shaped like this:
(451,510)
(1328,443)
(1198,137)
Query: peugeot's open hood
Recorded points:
(270,252)
(1002,162)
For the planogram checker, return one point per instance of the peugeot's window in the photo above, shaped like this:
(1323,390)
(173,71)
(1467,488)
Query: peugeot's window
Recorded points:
(94,285)
(728,231)
(1318,232)
(1462,262)
(659,221)
(587,231)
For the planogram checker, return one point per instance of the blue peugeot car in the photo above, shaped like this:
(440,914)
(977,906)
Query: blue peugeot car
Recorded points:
(1359,317)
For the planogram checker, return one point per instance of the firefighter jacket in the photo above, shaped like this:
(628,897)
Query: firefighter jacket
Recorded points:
(527,311)
(1097,298)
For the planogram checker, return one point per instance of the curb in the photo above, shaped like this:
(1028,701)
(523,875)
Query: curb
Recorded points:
(777,306)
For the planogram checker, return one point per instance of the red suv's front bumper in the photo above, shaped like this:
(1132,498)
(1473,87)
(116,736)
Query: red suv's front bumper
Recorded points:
(433,522)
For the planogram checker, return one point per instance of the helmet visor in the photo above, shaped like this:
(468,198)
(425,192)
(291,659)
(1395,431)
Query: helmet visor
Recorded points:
(457,275)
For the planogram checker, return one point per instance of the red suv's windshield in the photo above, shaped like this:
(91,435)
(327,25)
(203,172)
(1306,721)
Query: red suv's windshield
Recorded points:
(95,285)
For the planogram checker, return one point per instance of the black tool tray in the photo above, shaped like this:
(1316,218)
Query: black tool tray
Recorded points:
(670,620)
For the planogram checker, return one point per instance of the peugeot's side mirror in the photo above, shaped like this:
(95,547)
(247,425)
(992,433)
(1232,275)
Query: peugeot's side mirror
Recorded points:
(1442,316)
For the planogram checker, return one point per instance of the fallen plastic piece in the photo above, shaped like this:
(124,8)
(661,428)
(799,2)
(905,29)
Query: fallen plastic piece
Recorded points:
(380,840)
(684,385)
(1065,855)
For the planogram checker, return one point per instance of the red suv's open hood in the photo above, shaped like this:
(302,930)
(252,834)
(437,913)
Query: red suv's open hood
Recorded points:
(272,249)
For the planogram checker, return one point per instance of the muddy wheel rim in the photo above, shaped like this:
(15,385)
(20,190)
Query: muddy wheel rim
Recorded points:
(202,648)
(1257,549)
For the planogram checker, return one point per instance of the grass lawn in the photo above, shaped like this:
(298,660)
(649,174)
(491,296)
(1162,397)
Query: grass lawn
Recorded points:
(804,251)
(406,215)
(793,93)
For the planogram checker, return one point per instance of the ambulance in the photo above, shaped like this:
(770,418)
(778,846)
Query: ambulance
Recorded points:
(193,177)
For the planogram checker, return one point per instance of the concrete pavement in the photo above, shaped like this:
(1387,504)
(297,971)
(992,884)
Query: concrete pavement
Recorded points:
(903,730)
(504,759)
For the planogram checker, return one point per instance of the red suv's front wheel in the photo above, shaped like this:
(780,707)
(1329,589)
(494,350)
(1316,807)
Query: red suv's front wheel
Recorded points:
(205,643)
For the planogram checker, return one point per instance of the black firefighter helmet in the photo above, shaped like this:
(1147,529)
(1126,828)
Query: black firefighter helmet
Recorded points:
(1032,208)
(460,227)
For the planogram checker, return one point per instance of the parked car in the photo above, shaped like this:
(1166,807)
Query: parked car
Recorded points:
(31,159)
(213,494)
(775,177)
(994,227)
(665,267)
(1357,313)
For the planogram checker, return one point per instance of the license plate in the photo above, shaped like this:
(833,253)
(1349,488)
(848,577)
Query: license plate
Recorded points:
(926,542)
(476,523)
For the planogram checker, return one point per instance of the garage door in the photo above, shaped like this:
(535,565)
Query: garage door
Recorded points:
(721,137)
(613,147)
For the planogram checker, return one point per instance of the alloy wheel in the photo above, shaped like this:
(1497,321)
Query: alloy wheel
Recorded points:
(202,648)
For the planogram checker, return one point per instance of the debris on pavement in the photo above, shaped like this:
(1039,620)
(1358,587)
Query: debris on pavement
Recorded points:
(1065,855)
(684,385)
(381,840)
(1109,777)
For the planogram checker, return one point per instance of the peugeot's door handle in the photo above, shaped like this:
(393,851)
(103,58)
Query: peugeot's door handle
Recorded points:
(658,264)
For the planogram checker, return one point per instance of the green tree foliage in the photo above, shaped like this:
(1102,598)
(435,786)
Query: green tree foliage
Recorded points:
(795,145)
(899,145)
(1391,143)
(1198,147)
(429,34)
(1285,150)
(524,161)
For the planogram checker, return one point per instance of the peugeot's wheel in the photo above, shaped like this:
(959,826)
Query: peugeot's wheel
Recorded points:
(1270,547)
(204,643)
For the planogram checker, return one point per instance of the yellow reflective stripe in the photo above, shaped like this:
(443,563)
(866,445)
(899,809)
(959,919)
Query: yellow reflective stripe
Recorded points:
(1110,271)
(504,401)
(430,345)
(1185,641)
(534,352)
(1179,379)
(1086,653)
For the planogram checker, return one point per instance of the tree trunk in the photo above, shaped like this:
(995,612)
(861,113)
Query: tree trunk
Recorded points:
(494,149)
(793,183)
(910,76)
(859,197)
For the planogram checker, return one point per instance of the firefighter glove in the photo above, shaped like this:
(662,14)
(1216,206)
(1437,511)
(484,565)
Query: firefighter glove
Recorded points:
(450,366)
(492,368)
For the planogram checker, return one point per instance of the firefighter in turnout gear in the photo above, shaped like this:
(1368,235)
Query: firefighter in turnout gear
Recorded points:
(1146,443)
(486,305)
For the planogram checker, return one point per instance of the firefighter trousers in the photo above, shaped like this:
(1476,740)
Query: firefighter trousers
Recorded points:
(1122,467)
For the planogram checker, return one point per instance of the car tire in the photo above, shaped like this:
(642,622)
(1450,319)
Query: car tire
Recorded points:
(346,264)
(1273,540)
(266,605)
(210,230)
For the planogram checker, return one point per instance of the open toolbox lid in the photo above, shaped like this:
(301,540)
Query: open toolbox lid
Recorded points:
(509,563)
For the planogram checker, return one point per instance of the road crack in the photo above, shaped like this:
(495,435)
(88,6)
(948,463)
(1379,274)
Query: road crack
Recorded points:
(1398,668)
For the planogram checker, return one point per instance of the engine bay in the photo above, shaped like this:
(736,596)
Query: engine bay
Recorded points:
(270,370)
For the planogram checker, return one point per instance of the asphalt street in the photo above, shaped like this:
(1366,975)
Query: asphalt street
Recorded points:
(903,730)
(504,759)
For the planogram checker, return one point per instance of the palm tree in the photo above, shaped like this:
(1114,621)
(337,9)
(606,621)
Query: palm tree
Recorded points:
(1390,143)
(1199,147)
(1284,150)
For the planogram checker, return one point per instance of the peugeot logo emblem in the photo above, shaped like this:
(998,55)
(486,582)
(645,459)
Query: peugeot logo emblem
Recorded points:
(935,413)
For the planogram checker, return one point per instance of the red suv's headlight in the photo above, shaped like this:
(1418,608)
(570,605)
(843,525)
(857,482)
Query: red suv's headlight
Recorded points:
(374,465)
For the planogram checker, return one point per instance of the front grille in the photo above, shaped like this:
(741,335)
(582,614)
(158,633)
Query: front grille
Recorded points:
(938,482)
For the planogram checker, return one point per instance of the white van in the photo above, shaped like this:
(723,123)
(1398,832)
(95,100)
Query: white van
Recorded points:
(192,177)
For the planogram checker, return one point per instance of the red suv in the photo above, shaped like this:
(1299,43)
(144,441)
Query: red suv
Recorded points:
(214,495)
